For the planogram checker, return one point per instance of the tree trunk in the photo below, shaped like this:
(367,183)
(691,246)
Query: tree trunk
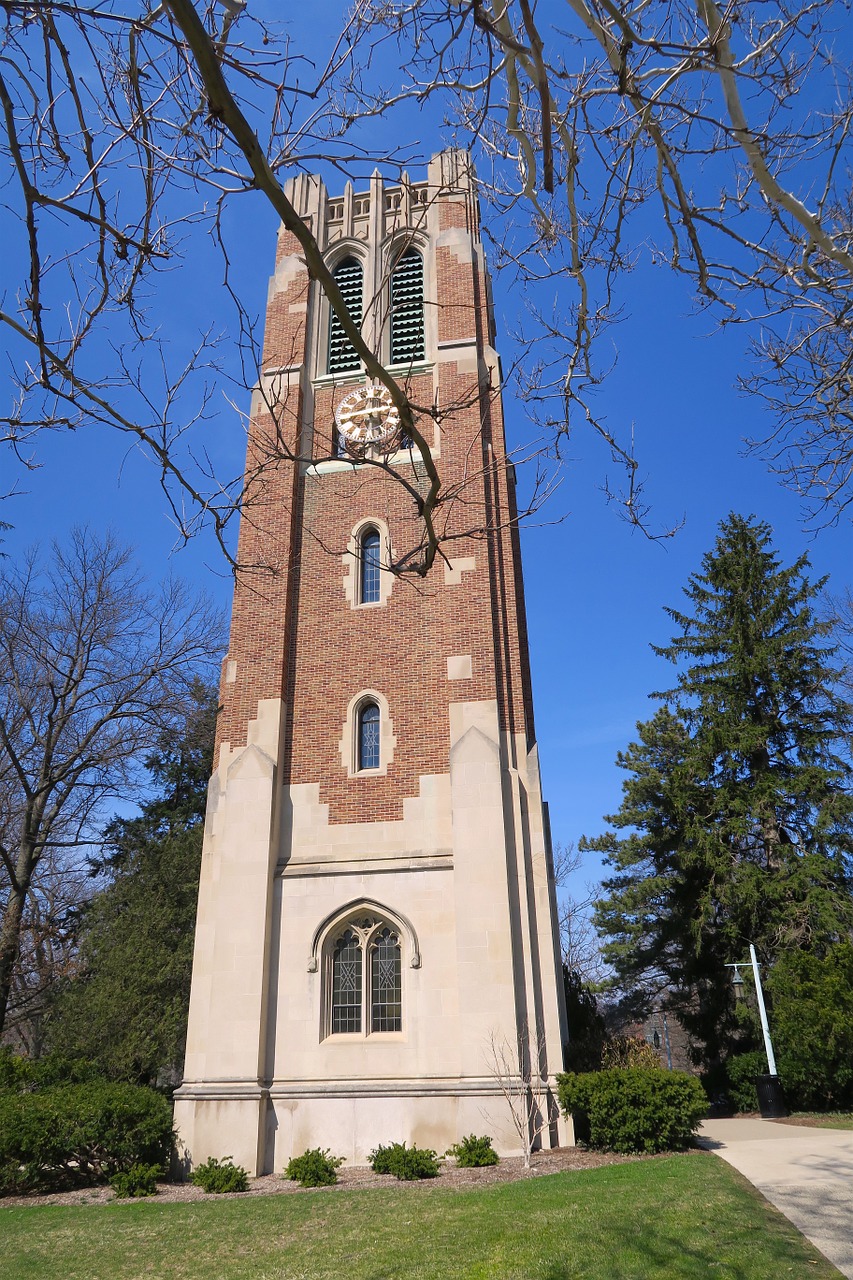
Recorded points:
(10,939)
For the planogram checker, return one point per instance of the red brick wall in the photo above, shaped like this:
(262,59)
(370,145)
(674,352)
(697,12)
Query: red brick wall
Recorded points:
(294,632)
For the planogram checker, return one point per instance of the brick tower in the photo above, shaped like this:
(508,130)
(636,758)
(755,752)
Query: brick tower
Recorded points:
(376,909)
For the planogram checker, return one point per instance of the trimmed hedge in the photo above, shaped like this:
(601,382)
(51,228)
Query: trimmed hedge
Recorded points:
(634,1108)
(79,1134)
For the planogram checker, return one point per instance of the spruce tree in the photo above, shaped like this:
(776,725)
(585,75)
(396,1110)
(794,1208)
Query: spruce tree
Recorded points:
(737,807)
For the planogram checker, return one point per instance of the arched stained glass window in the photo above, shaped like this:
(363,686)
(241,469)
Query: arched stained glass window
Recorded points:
(364,962)
(386,984)
(349,278)
(369,567)
(346,983)
(407,309)
(368,736)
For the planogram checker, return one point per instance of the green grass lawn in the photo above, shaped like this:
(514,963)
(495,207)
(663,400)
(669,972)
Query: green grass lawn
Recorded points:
(680,1217)
(825,1119)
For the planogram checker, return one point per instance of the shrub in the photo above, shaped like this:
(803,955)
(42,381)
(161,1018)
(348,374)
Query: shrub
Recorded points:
(80,1134)
(23,1075)
(634,1109)
(137,1181)
(473,1152)
(14,1071)
(629,1051)
(220,1176)
(741,1070)
(812,1021)
(314,1168)
(406,1163)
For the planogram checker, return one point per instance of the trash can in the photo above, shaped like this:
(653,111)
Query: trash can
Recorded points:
(771,1098)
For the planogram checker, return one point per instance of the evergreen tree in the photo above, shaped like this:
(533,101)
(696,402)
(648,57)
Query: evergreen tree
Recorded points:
(126,1011)
(737,807)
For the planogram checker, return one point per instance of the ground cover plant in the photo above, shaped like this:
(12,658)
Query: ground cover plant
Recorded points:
(407,1164)
(314,1168)
(473,1152)
(138,1181)
(220,1176)
(661,1219)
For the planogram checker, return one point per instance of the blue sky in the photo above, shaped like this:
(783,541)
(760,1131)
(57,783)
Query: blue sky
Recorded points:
(596,589)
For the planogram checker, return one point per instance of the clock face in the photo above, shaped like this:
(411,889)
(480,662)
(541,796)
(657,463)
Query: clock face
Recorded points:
(367,415)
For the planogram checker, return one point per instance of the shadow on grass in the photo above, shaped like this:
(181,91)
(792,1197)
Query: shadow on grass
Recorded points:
(673,1258)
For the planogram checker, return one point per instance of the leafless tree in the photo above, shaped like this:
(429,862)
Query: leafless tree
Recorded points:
(839,617)
(47,952)
(93,667)
(519,1072)
(579,943)
(714,137)
(124,130)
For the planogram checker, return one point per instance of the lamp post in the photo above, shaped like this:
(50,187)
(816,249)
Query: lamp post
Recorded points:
(769,1087)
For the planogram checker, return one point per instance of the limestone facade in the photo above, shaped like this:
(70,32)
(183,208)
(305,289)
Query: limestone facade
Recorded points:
(442,842)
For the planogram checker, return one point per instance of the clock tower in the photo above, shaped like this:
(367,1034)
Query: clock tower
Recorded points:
(376,952)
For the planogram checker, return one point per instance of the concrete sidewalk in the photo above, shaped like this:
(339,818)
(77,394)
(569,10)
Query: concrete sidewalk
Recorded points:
(806,1173)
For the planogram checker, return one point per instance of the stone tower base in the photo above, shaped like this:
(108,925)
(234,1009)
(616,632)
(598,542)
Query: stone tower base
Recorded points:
(285,1121)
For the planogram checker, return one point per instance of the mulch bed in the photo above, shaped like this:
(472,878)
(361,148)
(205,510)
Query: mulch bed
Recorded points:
(510,1169)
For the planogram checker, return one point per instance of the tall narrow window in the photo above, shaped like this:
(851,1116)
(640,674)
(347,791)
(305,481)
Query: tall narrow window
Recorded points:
(349,279)
(368,736)
(407,309)
(369,567)
(346,984)
(386,986)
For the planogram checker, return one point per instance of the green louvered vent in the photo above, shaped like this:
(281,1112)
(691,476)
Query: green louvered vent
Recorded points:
(348,277)
(407,309)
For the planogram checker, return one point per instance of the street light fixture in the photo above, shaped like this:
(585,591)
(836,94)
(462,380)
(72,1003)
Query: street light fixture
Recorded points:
(737,983)
(770,1097)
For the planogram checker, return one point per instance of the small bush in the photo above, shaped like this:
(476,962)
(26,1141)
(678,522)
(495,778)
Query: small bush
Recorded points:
(314,1168)
(137,1181)
(220,1176)
(741,1070)
(407,1164)
(634,1109)
(80,1134)
(473,1152)
(629,1051)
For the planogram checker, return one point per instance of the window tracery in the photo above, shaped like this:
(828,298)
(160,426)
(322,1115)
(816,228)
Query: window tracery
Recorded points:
(368,737)
(366,978)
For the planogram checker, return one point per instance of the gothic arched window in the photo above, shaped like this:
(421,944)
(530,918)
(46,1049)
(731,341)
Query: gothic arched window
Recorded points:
(368,567)
(407,309)
(347,983)
(349,278)
(367,740)
(386,982)
(366,978)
